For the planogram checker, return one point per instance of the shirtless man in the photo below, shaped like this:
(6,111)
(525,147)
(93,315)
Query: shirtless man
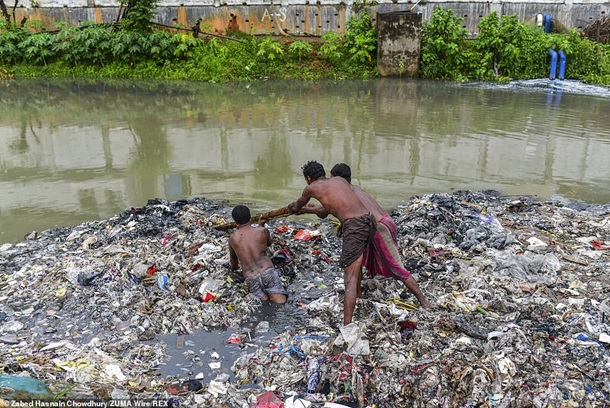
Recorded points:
(248,247)
(382,257)
(358,225)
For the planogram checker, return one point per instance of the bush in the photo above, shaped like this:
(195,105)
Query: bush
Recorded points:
(505,49)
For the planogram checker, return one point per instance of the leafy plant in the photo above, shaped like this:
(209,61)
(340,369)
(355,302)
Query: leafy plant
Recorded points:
(269,49)
(139,14)
(37,48)
(361,36)
(401,67)
(300,49)
(60,25)
(332,46)
(443,51)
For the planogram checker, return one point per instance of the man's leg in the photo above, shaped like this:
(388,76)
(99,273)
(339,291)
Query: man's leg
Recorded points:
(413,287)
(278,298)
(359,287)
(351,280)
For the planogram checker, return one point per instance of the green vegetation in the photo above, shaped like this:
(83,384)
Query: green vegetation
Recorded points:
(505,49)
(134,49)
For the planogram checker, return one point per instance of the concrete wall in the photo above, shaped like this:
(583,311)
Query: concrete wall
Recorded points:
(306,17)
(398,43)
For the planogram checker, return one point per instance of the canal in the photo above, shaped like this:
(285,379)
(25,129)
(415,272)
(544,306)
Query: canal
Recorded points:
(73,151)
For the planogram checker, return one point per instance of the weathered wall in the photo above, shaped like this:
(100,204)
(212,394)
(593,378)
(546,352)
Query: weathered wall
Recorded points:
(307,17)
(398,43)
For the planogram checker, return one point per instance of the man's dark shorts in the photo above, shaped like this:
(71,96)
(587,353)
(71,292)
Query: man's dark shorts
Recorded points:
(266,283)
(357,233)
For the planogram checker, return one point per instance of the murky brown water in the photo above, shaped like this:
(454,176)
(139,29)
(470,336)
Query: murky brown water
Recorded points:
(76,151)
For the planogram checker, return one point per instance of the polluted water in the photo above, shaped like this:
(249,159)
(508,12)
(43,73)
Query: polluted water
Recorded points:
(144,307)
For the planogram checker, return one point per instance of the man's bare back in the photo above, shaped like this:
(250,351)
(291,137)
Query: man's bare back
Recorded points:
(335,195)
(370,203)
(339,199)
(249,246)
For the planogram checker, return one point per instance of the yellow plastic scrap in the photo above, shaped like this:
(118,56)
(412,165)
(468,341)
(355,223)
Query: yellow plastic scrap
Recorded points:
(403,305)
(73,366)
(61,292)
(477,206)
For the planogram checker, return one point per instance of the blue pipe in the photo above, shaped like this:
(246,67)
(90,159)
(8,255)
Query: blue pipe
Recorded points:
(562,64)
(547,23)
(553,55)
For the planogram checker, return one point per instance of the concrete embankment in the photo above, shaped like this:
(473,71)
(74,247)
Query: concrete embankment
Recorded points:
(305,17)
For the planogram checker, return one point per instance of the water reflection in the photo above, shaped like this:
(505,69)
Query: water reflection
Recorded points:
(72,151)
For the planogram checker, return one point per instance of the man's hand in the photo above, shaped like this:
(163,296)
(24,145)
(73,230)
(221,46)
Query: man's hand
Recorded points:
(262,221)
(316,209)
(292,207)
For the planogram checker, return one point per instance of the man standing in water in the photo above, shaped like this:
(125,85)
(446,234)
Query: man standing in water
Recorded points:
(247,247)
(358,225)
(382,256)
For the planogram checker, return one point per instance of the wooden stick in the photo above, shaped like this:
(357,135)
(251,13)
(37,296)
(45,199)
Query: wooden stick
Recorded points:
(270,215)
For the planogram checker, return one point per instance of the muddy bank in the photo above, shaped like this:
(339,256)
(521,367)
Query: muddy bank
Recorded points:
(520,291)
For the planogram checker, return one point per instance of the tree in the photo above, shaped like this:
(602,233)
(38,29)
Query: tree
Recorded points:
(138,14)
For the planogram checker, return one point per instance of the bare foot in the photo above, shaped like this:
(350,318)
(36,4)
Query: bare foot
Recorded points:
(425,304)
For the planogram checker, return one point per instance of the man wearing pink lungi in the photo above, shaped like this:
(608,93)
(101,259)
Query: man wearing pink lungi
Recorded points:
(382,256)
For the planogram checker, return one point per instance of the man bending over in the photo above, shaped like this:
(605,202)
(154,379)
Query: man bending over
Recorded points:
(248,247)
(358,225)
(382,257)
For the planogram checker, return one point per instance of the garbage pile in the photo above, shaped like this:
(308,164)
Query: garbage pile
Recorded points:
(598,30)
(520,289)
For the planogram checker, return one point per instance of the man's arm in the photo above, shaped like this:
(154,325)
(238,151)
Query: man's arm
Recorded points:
(296,206)
(268,235)
(318,210)
(233,261)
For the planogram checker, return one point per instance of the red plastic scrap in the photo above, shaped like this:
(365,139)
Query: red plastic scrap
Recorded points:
(282,228)
(207,297)
(175,389)
(600,245)
(438,255)
(194,248)
(306,235)
(268,400)
(236,338)
(407,325)
(152,269)
(324,257)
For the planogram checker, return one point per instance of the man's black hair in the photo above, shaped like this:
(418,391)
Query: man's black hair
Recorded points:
(342,170)
(241,214)
(314,170)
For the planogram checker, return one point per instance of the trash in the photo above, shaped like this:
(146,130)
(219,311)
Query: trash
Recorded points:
(268,400)
(407,329)
(314,374)
(306,235)
(192,385)
(600,245)
(353,335)
(15,387)
(210,285)
(281,258)
(207,297)
(237,338)
(294,402)
(87,278)
(162,281)
(509,313)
